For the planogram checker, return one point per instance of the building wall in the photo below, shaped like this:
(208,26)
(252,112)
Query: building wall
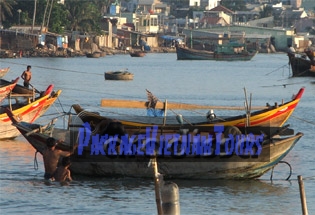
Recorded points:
(296,3)
(194,3)
(281,37)
(212,4)
(147,23)
(16,41)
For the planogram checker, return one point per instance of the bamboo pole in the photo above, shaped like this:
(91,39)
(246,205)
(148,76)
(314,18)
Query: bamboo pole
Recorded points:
(165,112)
(157,186)
(302,195)
(115,103)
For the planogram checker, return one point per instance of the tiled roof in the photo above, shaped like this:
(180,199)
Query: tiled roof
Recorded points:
(222,8)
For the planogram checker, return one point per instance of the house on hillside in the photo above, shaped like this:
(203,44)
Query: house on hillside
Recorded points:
(221,11)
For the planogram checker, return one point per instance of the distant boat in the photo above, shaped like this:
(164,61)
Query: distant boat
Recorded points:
(302,64)
(28,107)
(4,71)
(118,75)
(137,54)
(6,87)
(226,52)
(93,55)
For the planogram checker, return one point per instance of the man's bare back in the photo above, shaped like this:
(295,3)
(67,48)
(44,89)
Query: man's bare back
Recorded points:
(51,157)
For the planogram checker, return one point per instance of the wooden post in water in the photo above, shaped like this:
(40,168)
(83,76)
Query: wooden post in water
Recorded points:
(302,195)
(157,186)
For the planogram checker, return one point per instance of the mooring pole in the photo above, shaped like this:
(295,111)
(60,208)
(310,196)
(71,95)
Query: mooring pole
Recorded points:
(157,186)
(302,195)
(170,199)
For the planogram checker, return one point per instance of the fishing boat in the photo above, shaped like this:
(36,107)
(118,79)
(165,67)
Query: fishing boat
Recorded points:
(27,106)
(137,54)
(227,52)
(270,115)
(192,164)
(6,87)
(4,71)
(93,55)
(302,64)
(118,75)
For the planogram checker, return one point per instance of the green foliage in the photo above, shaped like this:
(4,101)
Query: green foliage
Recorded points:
(75,15)
(6,11)
(83,15)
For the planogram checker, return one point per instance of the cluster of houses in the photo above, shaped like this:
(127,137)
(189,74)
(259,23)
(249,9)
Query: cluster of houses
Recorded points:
(198,24)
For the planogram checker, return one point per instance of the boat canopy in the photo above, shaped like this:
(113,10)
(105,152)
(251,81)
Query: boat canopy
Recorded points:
(171,38)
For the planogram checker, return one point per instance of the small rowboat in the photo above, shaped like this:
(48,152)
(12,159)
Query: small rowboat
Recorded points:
(118,75)
(6,87)
(137,54)
(93,55)
(4,71)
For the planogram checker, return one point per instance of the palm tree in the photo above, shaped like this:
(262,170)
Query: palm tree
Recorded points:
(83,15)
(6,7)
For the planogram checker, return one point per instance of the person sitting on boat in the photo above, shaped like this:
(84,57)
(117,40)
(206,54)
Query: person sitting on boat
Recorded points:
(291,50)
(63,173)
(26,76)
(51,156)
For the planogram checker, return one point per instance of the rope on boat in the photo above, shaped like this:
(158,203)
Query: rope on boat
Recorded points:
(51,68)
(312,123)
(275,70)
(35,161)
(271,176)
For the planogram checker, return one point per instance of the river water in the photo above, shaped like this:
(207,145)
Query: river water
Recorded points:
(266,77)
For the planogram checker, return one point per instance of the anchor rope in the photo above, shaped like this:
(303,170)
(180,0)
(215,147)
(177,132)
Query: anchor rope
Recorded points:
(312,123)
(275,70)
(271,176)
(35,161)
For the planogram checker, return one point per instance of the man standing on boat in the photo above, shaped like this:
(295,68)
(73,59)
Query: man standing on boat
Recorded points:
(26,76)
(51,157)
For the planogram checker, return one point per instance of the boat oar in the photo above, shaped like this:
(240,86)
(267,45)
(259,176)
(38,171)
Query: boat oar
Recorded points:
(37,91)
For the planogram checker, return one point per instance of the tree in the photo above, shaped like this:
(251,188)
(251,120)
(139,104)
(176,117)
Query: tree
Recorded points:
(6,8)
(83,15)
(58,18)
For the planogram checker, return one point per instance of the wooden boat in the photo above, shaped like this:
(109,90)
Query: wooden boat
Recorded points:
(86,161)
(4,71)
(228,52)
(137,54)
(6,87)
(271,115)
(302,64)
(93,55)
(26,107)
(118,75)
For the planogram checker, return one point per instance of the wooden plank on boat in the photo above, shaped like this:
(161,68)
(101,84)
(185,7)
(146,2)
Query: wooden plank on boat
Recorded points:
(115,103)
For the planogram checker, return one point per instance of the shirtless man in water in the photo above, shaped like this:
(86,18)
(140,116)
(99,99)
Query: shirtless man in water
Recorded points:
(26,76)
(62,174)
(51,156)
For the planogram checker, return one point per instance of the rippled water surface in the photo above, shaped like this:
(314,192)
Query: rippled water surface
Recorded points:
(22,189)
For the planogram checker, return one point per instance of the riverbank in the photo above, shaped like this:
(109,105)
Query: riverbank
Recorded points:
(69,52)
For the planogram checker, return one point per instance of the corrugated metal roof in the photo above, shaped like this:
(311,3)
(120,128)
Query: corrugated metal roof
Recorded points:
(145,2)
